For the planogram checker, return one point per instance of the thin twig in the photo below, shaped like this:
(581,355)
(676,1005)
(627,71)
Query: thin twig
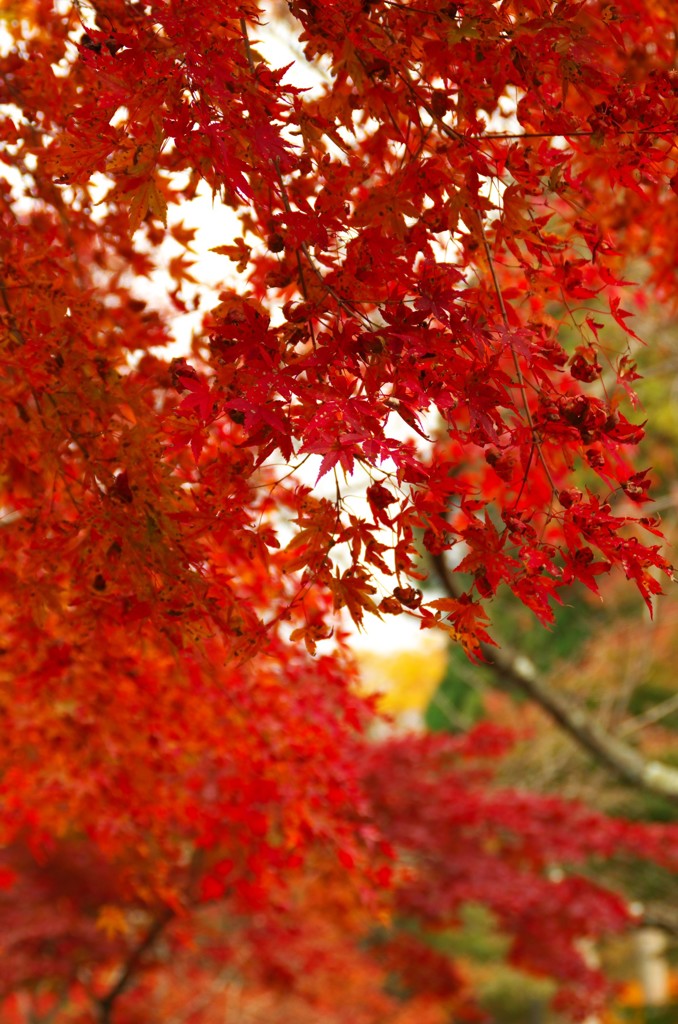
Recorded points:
(569,135)
(248,48)
(651,716)
(14,328)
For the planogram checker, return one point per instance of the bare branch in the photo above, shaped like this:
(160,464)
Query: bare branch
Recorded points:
(623,760)
(106,1003)
(660,916)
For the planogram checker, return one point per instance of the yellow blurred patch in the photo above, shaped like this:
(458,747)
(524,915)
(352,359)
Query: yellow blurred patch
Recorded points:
(405,680)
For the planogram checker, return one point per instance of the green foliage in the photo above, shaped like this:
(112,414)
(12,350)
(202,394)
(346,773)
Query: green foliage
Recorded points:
(650,1014)
(458,702)
(509,995)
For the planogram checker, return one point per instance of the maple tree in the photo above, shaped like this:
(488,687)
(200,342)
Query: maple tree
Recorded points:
(434,244)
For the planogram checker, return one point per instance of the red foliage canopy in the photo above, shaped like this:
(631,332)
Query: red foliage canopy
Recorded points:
(432,256)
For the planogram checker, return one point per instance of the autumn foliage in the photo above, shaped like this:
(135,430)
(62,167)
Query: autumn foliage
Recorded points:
(424,304)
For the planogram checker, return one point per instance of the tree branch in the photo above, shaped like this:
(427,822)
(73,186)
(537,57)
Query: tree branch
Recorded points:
(659,916)
(106,1003)
(623,760)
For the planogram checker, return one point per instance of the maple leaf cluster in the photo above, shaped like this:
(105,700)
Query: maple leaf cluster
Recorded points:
(432,292)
